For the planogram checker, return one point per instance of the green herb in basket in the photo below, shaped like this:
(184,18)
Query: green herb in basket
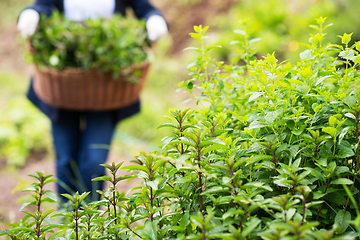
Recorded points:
(101,44)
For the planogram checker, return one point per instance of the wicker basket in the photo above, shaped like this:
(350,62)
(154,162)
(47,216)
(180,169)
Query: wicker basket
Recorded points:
(80,89)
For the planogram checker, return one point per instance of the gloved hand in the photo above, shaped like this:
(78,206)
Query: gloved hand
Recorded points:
(156,27)
(28,22)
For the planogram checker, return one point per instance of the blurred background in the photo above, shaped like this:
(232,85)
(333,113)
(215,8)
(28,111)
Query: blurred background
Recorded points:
(25,141)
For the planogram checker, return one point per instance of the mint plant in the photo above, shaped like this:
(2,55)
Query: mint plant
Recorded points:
(272,152)
(296,125)
(35,224)
(100,44)
(74,231)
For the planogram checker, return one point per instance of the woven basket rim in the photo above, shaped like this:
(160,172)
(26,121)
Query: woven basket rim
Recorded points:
(76,70)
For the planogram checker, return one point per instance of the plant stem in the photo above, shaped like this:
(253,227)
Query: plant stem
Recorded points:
(200,179)
(327,186)
(230,166)
(284,207)
(357,142)
(38,224)
(304,206)
(200,191)
(293,187)
(316,152)
(114,199)
(181,135)
(204,232)
(357,157)
(276,165)
(151,202)
(76,224)
(40,195)
(135,233)
(89,228)
(172,164)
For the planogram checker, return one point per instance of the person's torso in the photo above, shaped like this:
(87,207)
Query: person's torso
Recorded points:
(79,10)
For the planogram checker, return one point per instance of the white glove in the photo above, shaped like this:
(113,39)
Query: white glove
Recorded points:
(28,22)
(156,27)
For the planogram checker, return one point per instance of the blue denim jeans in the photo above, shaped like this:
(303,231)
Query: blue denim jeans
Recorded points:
(82,142)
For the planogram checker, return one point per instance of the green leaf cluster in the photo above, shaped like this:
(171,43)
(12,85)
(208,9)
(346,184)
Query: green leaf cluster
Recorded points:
(293,131)
(282,24)
(272,152)
(100,44)
(22,133)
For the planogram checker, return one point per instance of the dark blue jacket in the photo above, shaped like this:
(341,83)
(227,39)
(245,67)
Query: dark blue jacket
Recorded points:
(142,9)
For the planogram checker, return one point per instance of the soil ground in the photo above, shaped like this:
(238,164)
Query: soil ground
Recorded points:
(181,18)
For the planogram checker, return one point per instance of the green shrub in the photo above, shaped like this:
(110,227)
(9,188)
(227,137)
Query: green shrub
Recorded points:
(23,132)
(281,24)
(271,153)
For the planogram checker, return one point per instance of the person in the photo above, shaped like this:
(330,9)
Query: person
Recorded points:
(77,133)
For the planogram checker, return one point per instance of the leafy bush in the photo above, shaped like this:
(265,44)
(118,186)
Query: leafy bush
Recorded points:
(281,23)
(272,153)
(23,131)
(102,44)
